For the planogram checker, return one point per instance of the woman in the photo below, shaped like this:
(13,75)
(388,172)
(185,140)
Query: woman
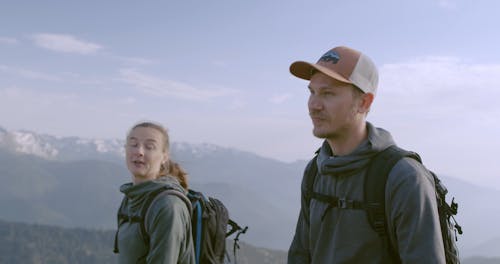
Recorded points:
(160,233)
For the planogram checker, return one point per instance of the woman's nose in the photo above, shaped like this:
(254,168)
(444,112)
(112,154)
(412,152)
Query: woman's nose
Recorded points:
(139,150)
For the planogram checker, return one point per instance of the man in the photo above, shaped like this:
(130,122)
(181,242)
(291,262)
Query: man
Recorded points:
(343,85)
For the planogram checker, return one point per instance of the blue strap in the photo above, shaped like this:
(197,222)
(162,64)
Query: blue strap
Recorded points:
(197,247)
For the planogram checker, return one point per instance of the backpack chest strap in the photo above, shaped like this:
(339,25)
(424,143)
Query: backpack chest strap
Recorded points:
(127,218)
(337,202)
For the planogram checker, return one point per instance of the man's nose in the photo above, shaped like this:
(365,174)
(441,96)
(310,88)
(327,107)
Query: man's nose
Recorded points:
(314,103)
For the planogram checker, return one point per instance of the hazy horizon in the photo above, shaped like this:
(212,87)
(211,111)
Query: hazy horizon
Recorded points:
(218,73)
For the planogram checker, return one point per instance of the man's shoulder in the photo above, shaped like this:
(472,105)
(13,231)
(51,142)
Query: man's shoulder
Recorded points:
(409,173)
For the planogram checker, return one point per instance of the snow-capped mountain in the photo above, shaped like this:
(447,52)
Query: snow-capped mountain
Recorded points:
(59,148)
(181,149)
(75,148)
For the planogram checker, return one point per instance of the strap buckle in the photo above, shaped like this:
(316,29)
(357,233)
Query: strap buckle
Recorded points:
(343,203)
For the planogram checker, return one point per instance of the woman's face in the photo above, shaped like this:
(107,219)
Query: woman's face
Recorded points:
(144,153)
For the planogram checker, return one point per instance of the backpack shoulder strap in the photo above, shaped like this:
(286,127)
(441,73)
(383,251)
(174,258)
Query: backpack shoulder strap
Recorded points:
(377,174)
(121,217)
(374,189)
(166,190)
(198,201)
(310,176)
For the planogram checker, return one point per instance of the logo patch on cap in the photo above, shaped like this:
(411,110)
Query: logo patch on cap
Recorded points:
(330,56)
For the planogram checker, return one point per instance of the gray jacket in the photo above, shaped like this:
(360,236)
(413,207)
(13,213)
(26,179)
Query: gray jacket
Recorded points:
(168,223)
(345,235)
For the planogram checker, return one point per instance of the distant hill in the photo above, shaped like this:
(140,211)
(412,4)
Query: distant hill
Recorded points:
(80,188)
(57,191)
(33,244)
(73,194)
(23,243)
(481,260)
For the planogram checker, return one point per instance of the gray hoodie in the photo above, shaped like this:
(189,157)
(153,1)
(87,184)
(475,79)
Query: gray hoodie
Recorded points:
(345,235)
(167,222)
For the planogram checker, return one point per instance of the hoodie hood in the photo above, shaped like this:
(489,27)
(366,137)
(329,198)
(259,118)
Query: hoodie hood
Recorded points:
(378,139)
(138,193)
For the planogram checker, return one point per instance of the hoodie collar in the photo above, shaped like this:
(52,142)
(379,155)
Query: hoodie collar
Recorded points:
(137,193)
(377,140)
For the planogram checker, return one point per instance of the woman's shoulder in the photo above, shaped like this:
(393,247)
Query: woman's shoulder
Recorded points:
(171,200)
(171,182)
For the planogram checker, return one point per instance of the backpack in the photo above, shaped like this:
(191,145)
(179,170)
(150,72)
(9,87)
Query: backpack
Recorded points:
(209,224)
(374,204)
(209,221)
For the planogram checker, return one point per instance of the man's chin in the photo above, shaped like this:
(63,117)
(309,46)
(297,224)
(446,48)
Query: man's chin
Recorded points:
(324,134)
(319,134)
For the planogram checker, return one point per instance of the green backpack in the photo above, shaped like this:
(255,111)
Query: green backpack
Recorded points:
(209,222)
(374,201)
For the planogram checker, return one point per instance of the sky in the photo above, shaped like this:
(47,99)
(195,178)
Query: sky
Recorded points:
(217,72)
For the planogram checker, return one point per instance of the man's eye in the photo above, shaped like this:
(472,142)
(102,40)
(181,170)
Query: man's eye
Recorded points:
(311,90)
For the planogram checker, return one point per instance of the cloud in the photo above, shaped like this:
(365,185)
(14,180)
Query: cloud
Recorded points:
(219,63)
(446,109)
(281,98)
(65,43)
(439,94)
(136,60)
(32,101)
(161,87)
(238,104)
(443,85)
(127,100)
(447,4)
(9,41)
(29,74)
(63,113)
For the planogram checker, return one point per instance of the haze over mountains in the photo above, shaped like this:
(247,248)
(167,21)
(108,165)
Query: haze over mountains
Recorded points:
(73,182)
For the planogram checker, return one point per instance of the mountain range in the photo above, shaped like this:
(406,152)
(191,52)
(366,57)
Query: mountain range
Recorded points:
(73,182)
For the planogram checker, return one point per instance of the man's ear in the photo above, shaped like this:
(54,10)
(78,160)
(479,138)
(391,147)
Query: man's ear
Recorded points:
(365,103)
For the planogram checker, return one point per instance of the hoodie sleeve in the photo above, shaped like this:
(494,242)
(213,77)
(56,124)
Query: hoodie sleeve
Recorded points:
(414,225)
(298,252)
(168,224)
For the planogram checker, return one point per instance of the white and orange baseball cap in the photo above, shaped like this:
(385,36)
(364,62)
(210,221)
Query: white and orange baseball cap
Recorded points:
(343,64)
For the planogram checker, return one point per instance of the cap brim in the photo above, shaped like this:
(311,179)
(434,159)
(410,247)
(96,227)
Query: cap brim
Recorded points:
(304,70)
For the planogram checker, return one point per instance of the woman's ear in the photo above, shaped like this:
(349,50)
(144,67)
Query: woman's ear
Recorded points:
(165,159)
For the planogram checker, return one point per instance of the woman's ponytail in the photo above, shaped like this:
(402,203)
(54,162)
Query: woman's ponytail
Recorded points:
(177,171)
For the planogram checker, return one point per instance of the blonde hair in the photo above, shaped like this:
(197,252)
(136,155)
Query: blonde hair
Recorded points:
(170,167)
